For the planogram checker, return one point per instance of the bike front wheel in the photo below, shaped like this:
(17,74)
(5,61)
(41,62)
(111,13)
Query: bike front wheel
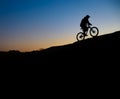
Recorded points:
(80,36)
(94,31)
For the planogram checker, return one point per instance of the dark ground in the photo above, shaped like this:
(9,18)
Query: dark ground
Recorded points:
(91,55)
(92,64)
(95,51)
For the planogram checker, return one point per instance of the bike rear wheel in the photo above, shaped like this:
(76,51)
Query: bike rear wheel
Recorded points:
(80,36)
(94,31)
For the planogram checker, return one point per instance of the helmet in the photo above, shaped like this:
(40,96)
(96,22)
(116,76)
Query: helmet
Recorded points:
(87,16)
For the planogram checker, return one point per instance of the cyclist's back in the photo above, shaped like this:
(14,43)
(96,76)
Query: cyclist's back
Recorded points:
(85,23)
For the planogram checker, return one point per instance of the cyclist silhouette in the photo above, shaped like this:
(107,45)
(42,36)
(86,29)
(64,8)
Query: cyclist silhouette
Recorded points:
(84,24)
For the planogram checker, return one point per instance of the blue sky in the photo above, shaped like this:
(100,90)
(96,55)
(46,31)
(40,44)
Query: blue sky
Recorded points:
(27,25)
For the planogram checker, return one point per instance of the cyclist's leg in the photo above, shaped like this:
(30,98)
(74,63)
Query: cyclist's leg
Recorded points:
(85,31)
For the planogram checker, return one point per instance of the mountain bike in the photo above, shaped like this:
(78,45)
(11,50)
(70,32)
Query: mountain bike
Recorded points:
(93,31)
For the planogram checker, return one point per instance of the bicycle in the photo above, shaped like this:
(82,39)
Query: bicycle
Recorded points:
(93,31)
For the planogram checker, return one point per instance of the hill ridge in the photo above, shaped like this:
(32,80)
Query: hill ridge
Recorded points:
(104,46)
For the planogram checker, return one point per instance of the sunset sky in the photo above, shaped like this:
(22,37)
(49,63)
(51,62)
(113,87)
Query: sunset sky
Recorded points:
(27,25)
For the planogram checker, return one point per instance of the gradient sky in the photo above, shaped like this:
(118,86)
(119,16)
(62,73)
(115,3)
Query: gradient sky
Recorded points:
(27,25)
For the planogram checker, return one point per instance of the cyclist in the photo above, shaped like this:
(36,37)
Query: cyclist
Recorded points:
(84,24)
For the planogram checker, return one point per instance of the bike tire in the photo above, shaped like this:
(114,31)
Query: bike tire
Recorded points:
(94,31)
(80,36)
